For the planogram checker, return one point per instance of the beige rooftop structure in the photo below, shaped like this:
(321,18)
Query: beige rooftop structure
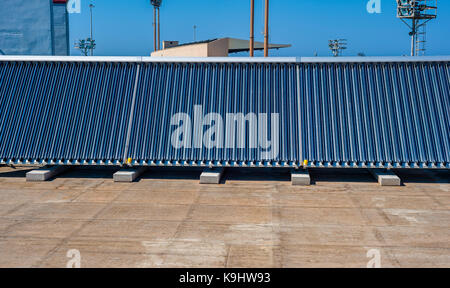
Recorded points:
(210,48)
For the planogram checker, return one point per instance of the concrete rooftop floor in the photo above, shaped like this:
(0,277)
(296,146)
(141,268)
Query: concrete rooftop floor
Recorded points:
(254,219)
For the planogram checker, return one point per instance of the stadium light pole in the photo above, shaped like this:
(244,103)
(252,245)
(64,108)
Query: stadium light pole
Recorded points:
(91,6)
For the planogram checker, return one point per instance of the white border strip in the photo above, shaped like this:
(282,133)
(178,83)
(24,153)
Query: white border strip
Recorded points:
(374,59)
(225,59)
(150,59)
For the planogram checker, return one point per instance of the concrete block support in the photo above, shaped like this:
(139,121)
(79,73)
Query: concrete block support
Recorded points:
(300,178)
(128,175)
(45,173)
(211,176)
(386,178)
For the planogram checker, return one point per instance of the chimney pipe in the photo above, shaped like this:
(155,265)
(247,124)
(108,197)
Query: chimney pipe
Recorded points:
(266,31)
(154,28)
(159,31)
(252,28)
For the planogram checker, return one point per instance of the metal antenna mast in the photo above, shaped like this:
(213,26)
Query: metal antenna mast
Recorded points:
(415,14)
(156,24)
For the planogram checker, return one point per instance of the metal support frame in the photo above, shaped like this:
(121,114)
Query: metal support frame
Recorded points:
(130,121)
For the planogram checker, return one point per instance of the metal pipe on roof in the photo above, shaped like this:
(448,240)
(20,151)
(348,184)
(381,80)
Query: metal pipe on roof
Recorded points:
(159,31)
(156,24)
(252,27)
(266,30)
(154,28)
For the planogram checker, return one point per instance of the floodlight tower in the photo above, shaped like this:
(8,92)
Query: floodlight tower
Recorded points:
(416,14)
(156,24)
(337,46)
(87,46)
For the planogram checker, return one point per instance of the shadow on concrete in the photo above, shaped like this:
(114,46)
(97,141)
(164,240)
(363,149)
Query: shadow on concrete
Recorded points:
(257,174)
(340,175)
(88,173)
(244,174)
(423,176)
(172,173)
(16,173)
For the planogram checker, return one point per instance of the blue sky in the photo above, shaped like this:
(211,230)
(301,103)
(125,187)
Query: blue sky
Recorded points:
(124,28)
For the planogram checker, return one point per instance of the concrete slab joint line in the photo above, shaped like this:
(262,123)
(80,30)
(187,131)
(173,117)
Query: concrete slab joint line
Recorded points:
(211,176)
(46,173)
(300,177)
(386,178)
(128,175)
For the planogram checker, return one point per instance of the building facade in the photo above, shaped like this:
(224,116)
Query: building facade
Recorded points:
(34,27)
(210,48)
